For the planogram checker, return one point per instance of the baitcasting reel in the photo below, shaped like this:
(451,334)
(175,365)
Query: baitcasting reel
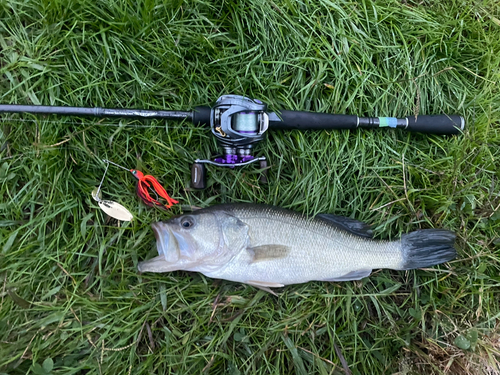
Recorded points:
(237,123)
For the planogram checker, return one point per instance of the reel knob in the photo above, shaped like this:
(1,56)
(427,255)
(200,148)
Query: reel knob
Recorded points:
(199,176)
(263,174)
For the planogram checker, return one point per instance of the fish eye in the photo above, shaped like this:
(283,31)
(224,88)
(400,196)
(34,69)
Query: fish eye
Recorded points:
(187,222)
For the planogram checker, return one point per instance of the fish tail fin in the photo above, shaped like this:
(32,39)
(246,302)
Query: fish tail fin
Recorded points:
(427,247)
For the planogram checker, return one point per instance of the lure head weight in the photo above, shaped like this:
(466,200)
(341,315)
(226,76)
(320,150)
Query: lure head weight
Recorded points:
(137,174)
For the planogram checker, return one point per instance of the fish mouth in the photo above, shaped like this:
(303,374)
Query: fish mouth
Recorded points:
(168,251)
(166,242)
(156,229)
(159,243)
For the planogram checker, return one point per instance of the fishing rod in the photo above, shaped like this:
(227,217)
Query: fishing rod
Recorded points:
(238,123)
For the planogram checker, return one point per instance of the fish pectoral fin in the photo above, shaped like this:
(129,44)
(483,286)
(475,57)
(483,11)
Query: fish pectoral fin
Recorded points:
(268,252)
(265,285)
(348,224)
(353,275)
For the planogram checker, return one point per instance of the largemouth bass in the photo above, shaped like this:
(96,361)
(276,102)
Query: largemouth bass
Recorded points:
(271,247)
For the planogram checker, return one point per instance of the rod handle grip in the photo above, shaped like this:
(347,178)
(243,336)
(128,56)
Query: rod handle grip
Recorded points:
(436,124)
(302,120)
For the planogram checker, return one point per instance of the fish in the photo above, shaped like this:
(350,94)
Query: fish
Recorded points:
(270,247)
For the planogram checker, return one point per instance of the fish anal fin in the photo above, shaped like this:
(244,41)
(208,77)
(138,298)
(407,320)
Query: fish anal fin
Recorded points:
(268,252)
(350,225)
(353,275)
(265,285)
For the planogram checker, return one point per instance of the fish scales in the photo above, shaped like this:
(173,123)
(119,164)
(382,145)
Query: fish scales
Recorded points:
(318,250)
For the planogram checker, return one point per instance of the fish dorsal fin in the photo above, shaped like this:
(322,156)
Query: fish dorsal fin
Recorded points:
(268,252)
(350,225)
(353,275)
(265,285)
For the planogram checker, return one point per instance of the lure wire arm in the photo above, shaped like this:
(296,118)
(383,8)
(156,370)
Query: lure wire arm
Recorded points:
(100,185)
(116,165)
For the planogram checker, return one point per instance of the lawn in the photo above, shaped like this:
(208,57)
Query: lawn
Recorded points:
(72,301)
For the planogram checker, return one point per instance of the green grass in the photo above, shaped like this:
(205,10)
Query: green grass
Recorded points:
(71,300)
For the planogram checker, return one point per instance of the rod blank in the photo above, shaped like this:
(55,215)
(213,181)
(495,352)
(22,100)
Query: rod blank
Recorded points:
(94,112)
